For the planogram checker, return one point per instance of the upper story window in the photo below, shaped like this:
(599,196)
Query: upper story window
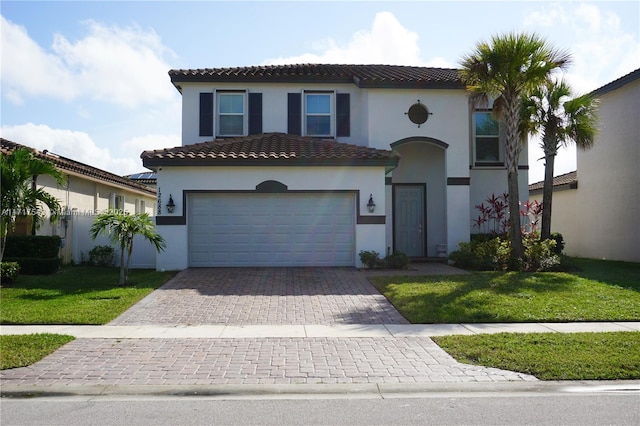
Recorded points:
(486,138)
(318,114)
(231,113)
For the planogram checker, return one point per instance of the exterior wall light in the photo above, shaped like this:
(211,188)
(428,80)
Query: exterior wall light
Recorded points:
(371,206)
(171,206)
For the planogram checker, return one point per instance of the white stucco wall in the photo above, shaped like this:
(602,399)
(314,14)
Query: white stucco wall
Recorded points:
(378,120)
(173,180)
(274,107)
(565,218)
(609,180)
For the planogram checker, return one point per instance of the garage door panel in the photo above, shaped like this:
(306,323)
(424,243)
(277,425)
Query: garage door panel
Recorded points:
(271,230)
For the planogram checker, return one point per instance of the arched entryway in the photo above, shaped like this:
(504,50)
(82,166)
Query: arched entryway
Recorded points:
(419,197)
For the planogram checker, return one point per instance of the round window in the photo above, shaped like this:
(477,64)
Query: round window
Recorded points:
(418,113)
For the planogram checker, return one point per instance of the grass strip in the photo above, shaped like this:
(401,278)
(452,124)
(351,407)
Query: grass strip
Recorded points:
(552,356)
(22,350)
(598,291)
(75,295)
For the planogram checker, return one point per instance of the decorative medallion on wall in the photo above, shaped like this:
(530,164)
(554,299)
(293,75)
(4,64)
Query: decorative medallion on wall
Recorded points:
(418,113)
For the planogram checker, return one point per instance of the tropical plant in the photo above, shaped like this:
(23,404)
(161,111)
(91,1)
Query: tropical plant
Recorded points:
(505,69)
(121,228)
(20,194)
(560,119)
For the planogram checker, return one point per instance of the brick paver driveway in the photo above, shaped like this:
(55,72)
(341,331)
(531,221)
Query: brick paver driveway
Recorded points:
(260,296)
(272,296)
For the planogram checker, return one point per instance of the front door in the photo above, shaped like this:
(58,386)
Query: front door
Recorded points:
(409,221)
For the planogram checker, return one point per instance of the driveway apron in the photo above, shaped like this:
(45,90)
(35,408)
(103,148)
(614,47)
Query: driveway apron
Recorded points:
(256,296)
(264,296)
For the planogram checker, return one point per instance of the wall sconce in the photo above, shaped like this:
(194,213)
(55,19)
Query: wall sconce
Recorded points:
(371,206)
(171,206)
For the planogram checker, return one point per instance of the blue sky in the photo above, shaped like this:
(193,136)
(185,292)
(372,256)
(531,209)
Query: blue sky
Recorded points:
(88,80)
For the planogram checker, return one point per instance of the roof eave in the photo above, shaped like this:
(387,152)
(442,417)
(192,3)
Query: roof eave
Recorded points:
(154,163)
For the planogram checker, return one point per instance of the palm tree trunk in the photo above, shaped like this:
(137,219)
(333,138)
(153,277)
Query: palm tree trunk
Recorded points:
(126,273)
(512,155)
(122,280)
(515,234)
(547,195)
(34,186)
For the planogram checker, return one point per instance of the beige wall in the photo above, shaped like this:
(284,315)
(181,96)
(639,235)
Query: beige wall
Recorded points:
(566,218)
(83,197)
(601,218)
(609,180)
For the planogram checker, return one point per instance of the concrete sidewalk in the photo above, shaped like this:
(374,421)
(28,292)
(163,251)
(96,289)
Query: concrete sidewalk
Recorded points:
(335,330)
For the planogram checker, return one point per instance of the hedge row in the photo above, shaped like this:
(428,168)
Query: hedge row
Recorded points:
(36,254)
(34,265)
(32,246)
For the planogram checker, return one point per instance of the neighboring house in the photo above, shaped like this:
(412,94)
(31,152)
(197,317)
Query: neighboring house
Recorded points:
(281,165)
(596,209)
(87,191)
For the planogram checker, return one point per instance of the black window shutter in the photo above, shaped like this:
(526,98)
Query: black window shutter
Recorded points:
(255,113)
(294,116)
(206,114)
(343,114)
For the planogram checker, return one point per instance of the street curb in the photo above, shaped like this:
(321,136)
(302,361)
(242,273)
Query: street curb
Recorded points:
(365,390)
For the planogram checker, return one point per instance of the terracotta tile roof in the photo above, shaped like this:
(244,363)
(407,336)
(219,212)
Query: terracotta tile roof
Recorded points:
(269,149)
(570,178)
(70,165)
(360,75)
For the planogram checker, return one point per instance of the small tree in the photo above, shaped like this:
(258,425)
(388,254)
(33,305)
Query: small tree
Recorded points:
(121,229)
(505,69)
(20,194)
(560,119)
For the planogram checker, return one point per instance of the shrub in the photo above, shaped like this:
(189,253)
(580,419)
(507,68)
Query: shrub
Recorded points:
(539,255)
(371,259)
(397,260)
(36,266)
(9,271)
(495,255)
(32,246)
(101,256)
(483,254)
(559,239)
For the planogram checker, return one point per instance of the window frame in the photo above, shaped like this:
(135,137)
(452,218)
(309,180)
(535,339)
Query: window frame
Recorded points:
(218,112)
(140,206)
(331,114)
(475,137)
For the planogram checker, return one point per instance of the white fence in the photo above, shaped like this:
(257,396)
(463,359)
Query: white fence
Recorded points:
(142,257)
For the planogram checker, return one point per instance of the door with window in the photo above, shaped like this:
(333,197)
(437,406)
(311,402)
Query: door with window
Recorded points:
(409,219)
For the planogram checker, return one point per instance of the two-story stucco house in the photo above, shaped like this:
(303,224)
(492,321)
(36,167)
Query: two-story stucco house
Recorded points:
(597,207)
(307,165)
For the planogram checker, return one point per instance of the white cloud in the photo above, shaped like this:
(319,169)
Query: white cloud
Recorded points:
(120,65)
(588,32)
(75,145)
(601,51)
(151,142)
(387,42)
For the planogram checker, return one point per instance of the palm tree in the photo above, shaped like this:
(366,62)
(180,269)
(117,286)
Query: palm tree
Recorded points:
(504,69)
(20,194)
(121,229)
(560,119)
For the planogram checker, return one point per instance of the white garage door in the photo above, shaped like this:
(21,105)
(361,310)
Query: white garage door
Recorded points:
(271,230)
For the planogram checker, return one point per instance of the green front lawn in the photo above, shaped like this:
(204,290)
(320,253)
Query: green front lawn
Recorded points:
(552,356)
(75,295)
(595,291)
(23,350)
